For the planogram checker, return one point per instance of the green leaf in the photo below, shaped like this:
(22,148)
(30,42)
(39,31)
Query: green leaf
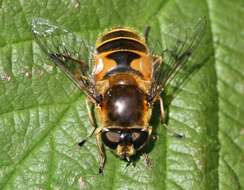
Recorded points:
(43,116)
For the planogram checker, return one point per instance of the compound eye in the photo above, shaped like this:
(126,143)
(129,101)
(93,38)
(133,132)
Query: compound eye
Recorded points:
(139,139)
(111,139)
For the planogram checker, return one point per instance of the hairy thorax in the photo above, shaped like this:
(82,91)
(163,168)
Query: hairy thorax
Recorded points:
(124,105)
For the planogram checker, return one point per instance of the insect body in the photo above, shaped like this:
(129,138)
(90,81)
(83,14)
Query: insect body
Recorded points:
(123,79)
(123,75)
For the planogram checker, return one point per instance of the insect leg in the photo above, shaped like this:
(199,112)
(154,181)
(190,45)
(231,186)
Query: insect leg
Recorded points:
(89,107)
(146,32)
(157,61)
(147,160)
(162,117)
(101,150)
(177,135)
(162,113)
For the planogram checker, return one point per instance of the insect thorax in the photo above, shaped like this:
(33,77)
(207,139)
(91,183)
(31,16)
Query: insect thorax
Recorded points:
(124,105)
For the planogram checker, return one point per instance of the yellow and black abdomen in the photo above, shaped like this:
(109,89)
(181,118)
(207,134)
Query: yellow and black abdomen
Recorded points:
(122,50)
(121,39)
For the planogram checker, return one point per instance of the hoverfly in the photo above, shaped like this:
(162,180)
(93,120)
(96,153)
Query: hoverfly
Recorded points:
(122,77)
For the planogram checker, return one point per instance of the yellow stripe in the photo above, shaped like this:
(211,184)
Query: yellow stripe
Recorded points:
(121,50)
(122,29)
(118,38)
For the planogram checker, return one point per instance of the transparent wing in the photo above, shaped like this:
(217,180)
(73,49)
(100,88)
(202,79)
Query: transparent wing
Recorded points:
(176,48)
(68,52)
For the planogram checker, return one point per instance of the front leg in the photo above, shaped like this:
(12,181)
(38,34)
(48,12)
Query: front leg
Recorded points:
(90,108)
(101,151)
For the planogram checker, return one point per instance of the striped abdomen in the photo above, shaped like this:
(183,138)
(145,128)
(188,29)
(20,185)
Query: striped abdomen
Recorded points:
(122,50)
(121,39)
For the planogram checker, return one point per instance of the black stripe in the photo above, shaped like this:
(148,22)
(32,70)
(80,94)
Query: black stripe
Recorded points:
(121,43)
(123,57)
(120,33)
(122,70)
